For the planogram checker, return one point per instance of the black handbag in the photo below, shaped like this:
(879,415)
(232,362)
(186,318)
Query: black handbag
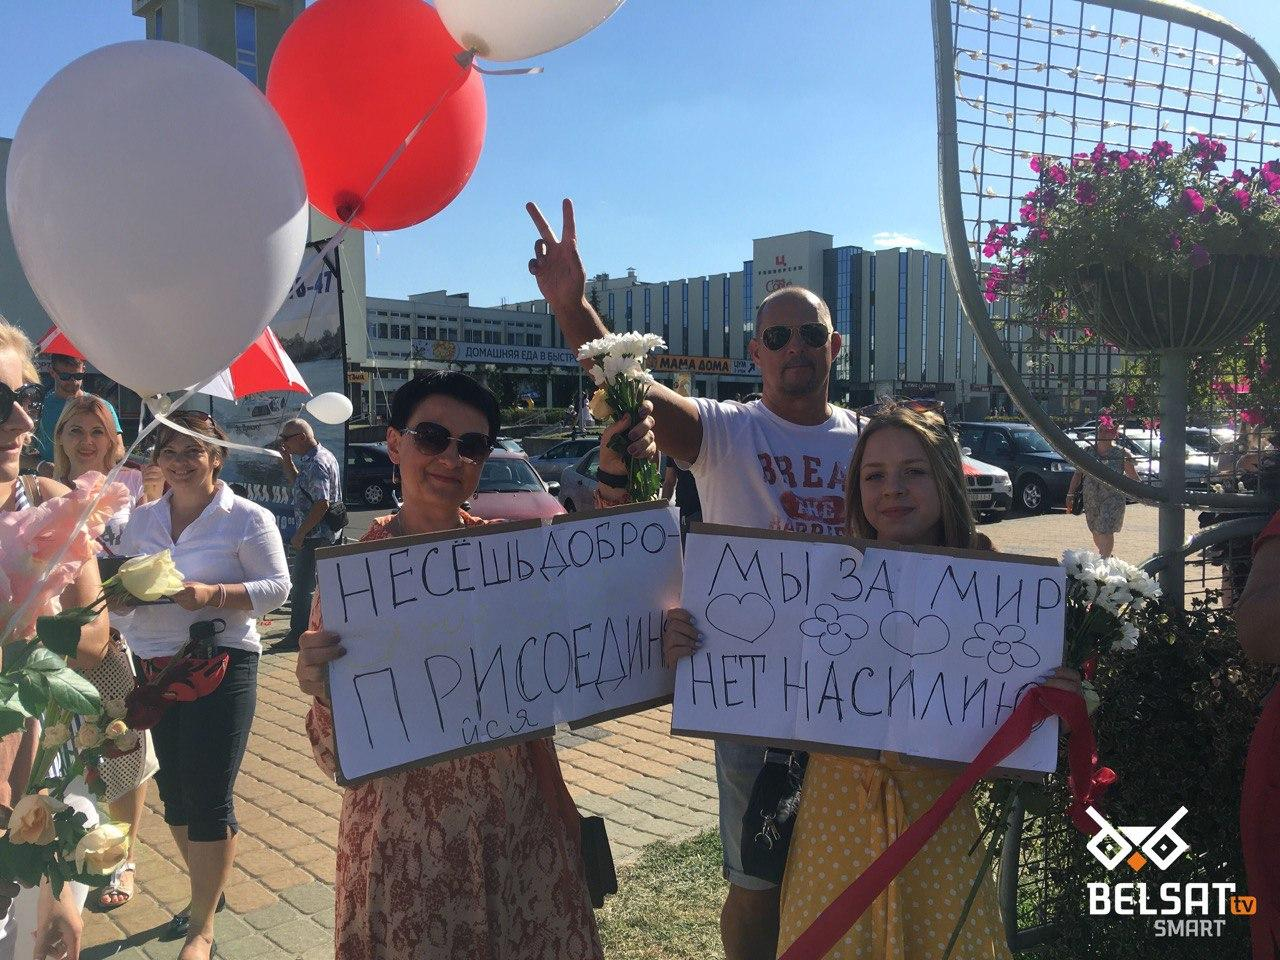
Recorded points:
(770,818)
(336,516)
(1077,503)
(597,860)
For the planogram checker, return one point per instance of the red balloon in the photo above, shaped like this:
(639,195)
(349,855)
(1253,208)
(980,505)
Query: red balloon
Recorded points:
(351,79)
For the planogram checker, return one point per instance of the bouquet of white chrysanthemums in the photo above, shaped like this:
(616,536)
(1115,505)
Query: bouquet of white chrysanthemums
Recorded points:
(621,386)
(1102,594)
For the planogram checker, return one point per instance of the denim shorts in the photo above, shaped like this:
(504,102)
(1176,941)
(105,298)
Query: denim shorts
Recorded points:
(737,767)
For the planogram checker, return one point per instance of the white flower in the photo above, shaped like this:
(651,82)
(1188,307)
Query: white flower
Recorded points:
(1077,561)
(597,375)
(595,348)
(1128,638)
(620,366)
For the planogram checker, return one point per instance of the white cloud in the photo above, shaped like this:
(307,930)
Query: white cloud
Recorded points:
(889,238)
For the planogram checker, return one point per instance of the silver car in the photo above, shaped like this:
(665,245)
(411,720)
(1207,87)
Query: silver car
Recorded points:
(551,463)
(578,482)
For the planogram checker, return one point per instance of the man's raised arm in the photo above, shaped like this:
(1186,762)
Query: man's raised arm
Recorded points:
(557,266)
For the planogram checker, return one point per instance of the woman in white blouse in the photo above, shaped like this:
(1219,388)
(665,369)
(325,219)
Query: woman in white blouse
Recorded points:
(84,440)
(230,553)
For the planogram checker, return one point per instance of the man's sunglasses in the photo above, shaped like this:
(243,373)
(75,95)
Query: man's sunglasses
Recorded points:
(64,377)
(813,335)
(433,439)
(30,397)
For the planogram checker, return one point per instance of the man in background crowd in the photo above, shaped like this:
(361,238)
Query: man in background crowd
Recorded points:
(313,471)
(68,382)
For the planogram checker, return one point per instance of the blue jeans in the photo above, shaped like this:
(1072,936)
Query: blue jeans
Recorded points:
(304,584)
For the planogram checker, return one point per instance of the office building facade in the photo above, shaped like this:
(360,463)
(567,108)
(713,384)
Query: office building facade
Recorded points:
(897,312)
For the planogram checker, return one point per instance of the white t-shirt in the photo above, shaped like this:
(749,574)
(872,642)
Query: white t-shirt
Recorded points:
(757,470)
(113,532)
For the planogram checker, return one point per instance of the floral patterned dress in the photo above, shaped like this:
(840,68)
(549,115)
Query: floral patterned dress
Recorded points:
(471,857)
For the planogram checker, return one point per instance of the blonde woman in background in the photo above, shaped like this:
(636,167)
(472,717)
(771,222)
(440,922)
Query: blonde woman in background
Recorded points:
(86,440)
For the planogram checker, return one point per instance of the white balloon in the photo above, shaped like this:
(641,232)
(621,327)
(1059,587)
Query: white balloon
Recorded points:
(503,30)
(329,408)
(159,210)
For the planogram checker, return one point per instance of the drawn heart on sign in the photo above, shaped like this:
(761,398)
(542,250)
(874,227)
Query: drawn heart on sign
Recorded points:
(912,637)
(747,618)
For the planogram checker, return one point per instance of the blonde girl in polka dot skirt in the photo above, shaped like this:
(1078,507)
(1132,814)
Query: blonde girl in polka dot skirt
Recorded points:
(906,485)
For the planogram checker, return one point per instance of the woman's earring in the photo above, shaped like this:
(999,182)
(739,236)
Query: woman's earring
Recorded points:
(395,474)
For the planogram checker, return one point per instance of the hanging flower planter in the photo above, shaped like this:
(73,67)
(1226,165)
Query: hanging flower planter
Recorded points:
(1195,311)
(1152,250)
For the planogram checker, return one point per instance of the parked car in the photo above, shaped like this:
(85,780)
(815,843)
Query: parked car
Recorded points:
(990,489)
(367,478)
(510,443)
(1144,447)
(1040,474)
(578,482)
(551,463)
(510,489)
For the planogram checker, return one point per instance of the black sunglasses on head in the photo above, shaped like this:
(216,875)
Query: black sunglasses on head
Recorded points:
(30,396)
(433,439)
(813,335)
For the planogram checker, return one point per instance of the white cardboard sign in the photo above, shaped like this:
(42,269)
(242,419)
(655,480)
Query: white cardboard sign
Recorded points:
(826,643)
(461,641)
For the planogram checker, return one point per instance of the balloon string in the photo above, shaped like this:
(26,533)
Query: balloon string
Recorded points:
(466,61)
(24,608)
(216,441)
(515,72)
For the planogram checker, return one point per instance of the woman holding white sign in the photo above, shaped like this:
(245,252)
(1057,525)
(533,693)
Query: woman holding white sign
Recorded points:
(472,857)
(906,485)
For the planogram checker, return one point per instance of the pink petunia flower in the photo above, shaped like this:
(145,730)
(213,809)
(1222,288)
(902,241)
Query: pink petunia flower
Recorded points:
(1193,200)
(1199,255)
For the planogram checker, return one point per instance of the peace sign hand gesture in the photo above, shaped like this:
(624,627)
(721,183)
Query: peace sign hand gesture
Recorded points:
(556,264)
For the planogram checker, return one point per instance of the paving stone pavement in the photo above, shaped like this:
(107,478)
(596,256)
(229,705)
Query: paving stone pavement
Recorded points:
(647,785)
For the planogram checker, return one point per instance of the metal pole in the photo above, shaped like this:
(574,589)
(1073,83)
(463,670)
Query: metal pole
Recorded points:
(1173,463)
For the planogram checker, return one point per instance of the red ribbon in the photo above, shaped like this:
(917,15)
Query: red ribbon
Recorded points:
(1087,782)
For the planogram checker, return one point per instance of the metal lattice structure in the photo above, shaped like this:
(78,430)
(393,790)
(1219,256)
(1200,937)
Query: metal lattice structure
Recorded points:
(1051,79)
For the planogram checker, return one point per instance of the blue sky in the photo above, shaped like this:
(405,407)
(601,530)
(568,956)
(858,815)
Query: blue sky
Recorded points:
(681,129)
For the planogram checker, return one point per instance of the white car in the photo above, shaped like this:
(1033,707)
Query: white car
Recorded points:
(578,482)
(990,489)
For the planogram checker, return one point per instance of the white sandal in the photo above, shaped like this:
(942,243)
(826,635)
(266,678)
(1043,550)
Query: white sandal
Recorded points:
(116,889)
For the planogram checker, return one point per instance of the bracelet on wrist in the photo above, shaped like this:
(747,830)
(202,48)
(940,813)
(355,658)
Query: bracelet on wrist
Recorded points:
(617,480)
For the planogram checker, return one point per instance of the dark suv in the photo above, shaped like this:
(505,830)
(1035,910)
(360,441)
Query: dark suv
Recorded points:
(1039,473)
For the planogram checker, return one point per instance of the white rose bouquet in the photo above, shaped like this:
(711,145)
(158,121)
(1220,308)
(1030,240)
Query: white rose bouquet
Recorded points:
(622,383)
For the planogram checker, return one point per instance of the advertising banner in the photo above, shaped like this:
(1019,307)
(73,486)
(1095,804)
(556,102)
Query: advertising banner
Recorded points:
(309,327)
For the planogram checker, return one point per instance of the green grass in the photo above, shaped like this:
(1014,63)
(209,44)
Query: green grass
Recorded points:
(668,904)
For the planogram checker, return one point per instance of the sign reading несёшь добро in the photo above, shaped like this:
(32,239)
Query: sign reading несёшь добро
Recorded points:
(484,636)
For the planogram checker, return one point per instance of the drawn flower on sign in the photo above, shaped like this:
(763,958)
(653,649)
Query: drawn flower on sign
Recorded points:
(834,631)
(1001,647)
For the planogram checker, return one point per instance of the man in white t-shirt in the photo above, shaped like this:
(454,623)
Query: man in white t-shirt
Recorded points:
(778,463)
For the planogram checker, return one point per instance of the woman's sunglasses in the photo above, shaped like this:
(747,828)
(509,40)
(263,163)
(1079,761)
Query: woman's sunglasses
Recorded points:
(936,407)
(813,335)
(30,397)
(433,439)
